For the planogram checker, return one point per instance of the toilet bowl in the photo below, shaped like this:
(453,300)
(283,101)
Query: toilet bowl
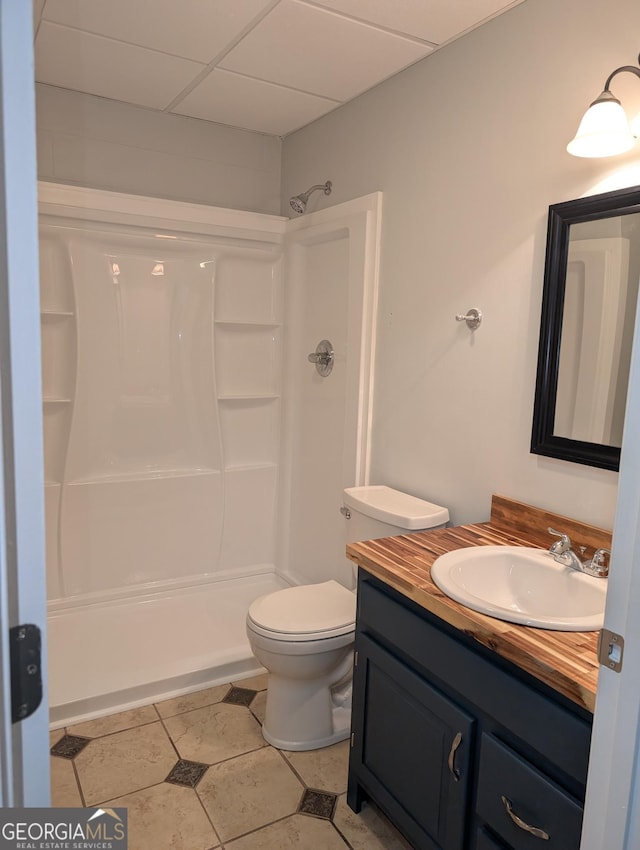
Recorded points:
(304,635)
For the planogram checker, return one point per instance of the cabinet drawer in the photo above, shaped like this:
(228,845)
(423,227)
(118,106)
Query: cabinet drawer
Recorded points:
(560,736)
(507,780)
(484,841)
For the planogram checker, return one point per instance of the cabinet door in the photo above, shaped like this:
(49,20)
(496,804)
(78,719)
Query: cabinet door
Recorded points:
(411,749)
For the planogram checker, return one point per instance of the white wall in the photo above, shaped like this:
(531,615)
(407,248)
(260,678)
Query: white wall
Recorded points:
(90,141)
(468,147)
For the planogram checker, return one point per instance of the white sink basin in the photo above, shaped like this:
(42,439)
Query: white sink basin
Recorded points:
(522,585)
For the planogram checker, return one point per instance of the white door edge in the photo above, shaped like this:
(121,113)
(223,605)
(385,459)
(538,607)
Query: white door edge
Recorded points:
(612,807)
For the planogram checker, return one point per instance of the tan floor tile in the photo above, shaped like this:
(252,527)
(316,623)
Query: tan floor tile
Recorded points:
(214,733)
(124,762)
(370,830)
(255,683)
(324,769)
(297,832)
(188,702)
(259,705)
(115,722)
(55,736)
(64,787)
(248,792)
(167,817)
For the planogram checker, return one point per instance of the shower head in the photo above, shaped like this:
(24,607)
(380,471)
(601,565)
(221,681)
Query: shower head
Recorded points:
(298,203)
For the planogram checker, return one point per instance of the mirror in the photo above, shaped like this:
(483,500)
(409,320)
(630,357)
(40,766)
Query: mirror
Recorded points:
(591,277)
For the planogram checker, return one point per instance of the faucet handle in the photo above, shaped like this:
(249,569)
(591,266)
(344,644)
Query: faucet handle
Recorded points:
(563,545)
(599,564)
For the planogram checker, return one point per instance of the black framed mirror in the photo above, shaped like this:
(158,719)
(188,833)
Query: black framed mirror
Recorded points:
(591,277)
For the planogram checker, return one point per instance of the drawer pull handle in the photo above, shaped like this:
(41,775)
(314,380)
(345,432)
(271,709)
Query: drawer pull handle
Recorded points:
(539,833)
(452,756)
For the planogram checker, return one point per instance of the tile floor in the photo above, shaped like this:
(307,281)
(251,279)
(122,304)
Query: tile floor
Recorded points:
(195,773)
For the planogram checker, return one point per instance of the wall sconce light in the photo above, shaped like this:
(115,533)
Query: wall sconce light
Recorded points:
(158,269)
(604,129)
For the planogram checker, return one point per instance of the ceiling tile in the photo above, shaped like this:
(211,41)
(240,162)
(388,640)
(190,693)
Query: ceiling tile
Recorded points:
(194,29)
(289,61)
(72,59)
(252,104)
(432,20)
(317,51)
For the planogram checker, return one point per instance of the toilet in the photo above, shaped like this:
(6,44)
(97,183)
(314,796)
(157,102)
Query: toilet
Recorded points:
(304,635)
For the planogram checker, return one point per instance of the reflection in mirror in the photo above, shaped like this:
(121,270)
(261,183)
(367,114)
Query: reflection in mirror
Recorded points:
(591,282)
(601,289)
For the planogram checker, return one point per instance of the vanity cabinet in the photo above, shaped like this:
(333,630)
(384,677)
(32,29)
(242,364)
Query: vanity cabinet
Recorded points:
(461,749)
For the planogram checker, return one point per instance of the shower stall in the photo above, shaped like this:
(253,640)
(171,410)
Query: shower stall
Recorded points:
(194,457)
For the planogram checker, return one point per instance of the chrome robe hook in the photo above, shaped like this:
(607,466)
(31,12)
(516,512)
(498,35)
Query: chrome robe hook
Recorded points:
(472,317)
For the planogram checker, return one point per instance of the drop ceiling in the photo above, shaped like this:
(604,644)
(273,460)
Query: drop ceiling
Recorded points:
(271,66)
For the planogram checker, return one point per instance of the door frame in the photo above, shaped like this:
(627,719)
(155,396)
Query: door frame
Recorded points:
(24,745)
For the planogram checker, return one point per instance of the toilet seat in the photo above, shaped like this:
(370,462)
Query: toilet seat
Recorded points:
(305,613)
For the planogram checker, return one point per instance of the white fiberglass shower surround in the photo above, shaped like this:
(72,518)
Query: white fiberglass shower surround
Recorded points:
(194,458)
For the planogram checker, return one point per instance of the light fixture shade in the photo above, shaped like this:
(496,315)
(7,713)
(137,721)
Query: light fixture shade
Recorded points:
(603,131)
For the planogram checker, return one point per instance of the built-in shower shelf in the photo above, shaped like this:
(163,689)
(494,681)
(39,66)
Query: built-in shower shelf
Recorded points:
(233,323)
(249,397)
(51,400)
(52,315)
(245,467)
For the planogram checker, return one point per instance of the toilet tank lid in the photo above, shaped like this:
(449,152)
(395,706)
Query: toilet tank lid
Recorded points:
(396,508)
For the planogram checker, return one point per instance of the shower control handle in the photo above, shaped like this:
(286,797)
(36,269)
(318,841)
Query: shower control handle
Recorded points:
(323,358)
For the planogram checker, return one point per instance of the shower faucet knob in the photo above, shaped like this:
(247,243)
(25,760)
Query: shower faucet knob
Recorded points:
(323,357)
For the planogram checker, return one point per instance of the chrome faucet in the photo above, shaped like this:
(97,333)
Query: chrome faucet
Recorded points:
(561,550)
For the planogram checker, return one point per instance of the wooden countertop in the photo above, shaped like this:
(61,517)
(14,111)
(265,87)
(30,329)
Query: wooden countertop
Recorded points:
(566,661)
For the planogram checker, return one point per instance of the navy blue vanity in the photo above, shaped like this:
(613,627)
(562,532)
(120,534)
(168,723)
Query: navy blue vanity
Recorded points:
(460,745)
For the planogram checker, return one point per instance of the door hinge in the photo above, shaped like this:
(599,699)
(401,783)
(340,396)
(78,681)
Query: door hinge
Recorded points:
(25,644)
(610,650)
(355,658)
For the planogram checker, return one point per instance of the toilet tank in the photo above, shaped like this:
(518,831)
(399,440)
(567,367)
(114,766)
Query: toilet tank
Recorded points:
(379,511)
